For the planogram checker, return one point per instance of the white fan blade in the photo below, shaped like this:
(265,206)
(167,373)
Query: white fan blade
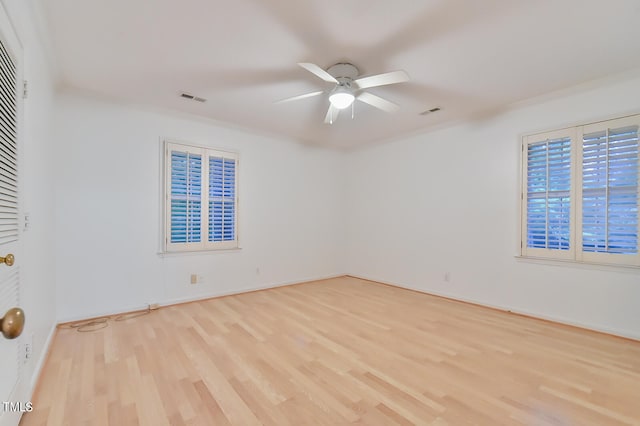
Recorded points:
(295,98)
(332,114)
(313,68)
(392,77)
(378,102)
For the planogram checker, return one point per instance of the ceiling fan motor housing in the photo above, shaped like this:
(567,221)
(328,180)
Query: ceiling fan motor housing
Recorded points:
(342,95)
(343,71)
(345,82)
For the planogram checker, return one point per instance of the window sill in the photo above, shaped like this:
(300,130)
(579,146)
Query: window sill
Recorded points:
(197,252)
(576,263)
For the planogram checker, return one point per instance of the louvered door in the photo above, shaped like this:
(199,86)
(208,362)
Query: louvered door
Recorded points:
(11,386)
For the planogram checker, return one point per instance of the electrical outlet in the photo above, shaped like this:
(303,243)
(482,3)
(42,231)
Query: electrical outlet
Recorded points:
(194,278)
(154,306)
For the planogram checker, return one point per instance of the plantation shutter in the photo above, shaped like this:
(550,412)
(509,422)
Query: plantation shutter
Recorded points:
(610,190)
(186,197)
(201,199)
(222,189)
(9,151)
(580,193)
(548,194)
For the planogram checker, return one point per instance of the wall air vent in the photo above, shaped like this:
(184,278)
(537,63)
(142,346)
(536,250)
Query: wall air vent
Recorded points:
(429,111)
(192,97)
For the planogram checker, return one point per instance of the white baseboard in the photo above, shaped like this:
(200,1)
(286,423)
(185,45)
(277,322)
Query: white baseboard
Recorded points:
(627,334)
(98,314)
(204,296)
(35,376)
(187,299)
(616,332)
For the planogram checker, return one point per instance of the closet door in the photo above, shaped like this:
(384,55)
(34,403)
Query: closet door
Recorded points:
(12,388)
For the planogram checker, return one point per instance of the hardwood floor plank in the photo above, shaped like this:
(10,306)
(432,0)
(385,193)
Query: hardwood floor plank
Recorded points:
(335,352)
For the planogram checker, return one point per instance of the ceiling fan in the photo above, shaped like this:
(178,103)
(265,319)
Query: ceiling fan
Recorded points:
(349,87)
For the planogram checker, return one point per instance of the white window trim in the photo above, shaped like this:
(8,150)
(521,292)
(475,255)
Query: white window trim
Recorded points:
(575,252)
(204,244)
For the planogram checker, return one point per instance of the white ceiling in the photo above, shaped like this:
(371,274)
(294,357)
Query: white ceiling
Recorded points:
(469,57)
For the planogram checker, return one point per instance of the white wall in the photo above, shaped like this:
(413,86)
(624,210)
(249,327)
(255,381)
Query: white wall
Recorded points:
(37,265)
(447,201)
(108,211)
(413,209)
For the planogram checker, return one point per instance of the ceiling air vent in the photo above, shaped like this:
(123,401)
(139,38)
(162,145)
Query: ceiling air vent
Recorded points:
(192,97)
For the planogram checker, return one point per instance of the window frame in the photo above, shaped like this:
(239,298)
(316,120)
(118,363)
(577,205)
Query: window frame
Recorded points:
(545,252)
(204,244)
(575,252)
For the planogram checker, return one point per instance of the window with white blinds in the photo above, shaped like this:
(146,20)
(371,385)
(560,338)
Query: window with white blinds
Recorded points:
(9,149)
(610,190)
(580,193)
(548,194)
(201,198)
(186,197)
(222,199)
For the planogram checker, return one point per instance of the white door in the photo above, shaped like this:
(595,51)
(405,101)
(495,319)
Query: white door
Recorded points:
(12,389)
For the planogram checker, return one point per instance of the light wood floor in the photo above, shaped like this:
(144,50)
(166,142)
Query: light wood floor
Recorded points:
(334,352)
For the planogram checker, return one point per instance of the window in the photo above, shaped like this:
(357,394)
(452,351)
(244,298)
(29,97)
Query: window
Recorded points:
(201,198)
(580,193)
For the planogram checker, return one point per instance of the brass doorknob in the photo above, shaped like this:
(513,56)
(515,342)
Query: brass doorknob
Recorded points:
(12,323)
(9,259)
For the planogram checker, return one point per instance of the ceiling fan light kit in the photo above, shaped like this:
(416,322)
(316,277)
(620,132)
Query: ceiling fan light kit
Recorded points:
(341,97)
(348,88)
